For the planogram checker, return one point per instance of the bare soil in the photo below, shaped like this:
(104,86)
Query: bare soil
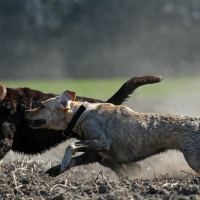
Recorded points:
(25,179)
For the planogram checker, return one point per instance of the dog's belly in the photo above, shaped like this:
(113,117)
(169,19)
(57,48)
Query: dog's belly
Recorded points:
(117,155)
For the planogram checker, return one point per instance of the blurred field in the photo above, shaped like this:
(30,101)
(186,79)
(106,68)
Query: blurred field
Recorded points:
(96,88)
(104,88)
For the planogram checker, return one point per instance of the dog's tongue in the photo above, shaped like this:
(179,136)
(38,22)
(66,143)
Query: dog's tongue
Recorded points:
(35,123)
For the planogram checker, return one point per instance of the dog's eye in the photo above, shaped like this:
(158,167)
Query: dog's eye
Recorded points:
(42,106)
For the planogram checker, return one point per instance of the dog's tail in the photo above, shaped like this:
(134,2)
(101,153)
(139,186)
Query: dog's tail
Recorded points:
(128,88)
(3,92)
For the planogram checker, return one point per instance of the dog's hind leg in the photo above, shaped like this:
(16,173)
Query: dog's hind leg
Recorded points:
(129,170)
(192,156)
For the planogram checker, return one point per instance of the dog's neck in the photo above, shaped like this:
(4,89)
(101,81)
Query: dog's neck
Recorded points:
(69,114)
(77,114)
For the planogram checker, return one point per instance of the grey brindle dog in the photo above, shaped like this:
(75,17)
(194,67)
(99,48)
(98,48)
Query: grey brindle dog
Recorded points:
(117,133)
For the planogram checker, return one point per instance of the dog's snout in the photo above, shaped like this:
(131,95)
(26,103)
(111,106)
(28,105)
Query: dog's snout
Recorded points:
(27,111)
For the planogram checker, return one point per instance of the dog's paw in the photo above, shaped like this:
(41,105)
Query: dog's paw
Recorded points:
(54,171)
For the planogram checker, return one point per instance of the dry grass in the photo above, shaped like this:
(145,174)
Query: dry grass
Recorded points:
(25,179)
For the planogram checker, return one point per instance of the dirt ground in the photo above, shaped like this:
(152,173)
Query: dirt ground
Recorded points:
(164,176)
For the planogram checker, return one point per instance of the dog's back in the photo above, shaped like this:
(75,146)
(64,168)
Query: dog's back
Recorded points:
(117,127)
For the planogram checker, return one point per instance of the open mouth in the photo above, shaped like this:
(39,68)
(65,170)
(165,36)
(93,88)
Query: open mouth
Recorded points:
(36,123)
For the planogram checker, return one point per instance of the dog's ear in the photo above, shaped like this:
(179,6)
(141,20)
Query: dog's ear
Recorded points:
(66,97)
(3,92)
(71,95)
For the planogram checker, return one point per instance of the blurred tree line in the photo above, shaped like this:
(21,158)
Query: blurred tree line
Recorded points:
(98,38)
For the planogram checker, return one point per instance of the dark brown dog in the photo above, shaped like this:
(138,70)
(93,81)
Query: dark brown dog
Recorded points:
(15,133)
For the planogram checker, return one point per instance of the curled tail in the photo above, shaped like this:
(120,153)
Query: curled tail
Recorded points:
(128,88)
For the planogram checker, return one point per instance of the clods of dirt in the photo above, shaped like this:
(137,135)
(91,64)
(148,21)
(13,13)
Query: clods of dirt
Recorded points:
(25,179)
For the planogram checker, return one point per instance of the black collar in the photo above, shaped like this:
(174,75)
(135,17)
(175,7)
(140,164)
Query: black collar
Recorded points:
(75,118)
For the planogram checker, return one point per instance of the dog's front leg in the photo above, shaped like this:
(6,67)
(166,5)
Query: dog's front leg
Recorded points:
(83,159)
(7,129)
(58,169)
(84,146)
(71,149)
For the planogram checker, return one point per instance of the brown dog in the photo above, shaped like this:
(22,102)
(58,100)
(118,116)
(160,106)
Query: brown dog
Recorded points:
(116,133)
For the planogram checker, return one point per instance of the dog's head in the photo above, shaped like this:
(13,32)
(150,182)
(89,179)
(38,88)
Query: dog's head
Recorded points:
(52,113)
